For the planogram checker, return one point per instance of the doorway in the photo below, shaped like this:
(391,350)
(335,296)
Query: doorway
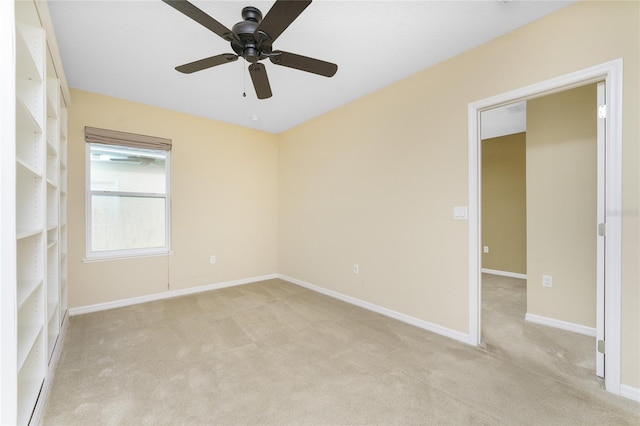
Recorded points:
(611,74)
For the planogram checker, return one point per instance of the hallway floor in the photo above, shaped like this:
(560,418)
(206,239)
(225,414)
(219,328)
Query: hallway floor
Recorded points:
(561,355)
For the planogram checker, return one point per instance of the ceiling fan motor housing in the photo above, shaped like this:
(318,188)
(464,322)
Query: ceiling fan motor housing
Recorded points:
(245,43)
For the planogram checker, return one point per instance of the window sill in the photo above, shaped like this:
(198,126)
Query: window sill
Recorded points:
(125,257)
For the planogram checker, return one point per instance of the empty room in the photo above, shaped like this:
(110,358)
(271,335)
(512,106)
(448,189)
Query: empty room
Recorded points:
(200,228)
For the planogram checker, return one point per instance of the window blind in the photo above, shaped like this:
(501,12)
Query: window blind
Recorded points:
(132,140)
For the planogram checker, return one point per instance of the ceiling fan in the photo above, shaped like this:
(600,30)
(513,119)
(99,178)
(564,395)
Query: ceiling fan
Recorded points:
(252,39)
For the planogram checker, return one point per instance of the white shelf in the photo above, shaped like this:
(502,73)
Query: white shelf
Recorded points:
(30,380)
(28,390)
(23,167)
(28,335)
(29,96)
(22,233)
(26,289)
(29,140)
(29,199)
(30,50)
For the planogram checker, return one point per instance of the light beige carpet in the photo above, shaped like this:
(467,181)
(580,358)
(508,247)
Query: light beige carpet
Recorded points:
(274,353)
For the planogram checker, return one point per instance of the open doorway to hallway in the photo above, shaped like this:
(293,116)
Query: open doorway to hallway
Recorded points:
(609,164)
(539,185)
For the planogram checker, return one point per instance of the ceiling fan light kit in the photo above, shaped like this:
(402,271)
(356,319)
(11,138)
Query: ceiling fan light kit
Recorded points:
(252,39)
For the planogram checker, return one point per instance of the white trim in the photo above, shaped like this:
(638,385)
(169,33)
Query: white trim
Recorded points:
(475,256)
(444,331)
(613,240)
(504,273)
(600,218)
(8,274)
(166,295)
(563,325)
(51,371)
(126,253)
(123,257)
(612,73)
(630,392)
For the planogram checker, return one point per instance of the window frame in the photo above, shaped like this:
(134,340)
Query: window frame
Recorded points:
(125,253)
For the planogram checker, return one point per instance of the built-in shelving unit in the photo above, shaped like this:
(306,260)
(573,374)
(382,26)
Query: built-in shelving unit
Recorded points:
(40,214)
(30,212)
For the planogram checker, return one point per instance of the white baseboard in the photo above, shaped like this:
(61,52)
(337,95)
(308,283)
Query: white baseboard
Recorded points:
(444,331)
(504,273)
(630,392)
(625,390)
(166,295)
(569,326)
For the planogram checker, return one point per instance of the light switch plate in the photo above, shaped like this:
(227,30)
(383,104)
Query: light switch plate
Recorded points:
(460,213)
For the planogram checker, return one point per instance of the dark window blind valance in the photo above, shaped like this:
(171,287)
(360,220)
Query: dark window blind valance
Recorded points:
(131,140)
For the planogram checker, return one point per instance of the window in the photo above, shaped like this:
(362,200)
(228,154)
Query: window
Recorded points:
(127,195)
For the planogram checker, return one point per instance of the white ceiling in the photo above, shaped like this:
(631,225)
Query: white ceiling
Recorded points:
(128,49)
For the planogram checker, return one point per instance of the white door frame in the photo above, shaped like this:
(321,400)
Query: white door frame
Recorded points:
(611,73)
(601,128)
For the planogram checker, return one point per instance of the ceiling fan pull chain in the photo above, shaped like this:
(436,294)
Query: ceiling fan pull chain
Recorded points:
(244,82)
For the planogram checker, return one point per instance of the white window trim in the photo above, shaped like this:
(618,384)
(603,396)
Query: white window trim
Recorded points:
(95,256)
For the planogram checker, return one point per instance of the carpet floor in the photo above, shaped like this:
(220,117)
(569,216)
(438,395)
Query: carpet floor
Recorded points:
(273,353)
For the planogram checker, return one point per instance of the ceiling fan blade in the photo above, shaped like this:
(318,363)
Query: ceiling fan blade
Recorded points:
(304,63)
(280,16)
(207,63)
(202,18)
(260,80)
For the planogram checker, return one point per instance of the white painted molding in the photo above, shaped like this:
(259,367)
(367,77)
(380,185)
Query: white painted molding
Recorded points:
(504,273)
(612,73)
(166,295)
(630,392)
(438,329)
(563,325)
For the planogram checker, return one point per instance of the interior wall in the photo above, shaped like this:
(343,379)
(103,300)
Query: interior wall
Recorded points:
(224,193)
(375,181)
(504,203)
(562,205)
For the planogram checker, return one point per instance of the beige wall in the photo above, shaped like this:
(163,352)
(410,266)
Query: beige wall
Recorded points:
(504,203)
(224,203)
(562,205)
(375,181)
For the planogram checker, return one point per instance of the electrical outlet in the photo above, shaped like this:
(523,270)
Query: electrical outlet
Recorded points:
(486,249)
(547,281)
(356,268)
(212,259)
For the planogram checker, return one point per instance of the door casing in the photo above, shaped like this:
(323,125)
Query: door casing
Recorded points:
(611,74)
